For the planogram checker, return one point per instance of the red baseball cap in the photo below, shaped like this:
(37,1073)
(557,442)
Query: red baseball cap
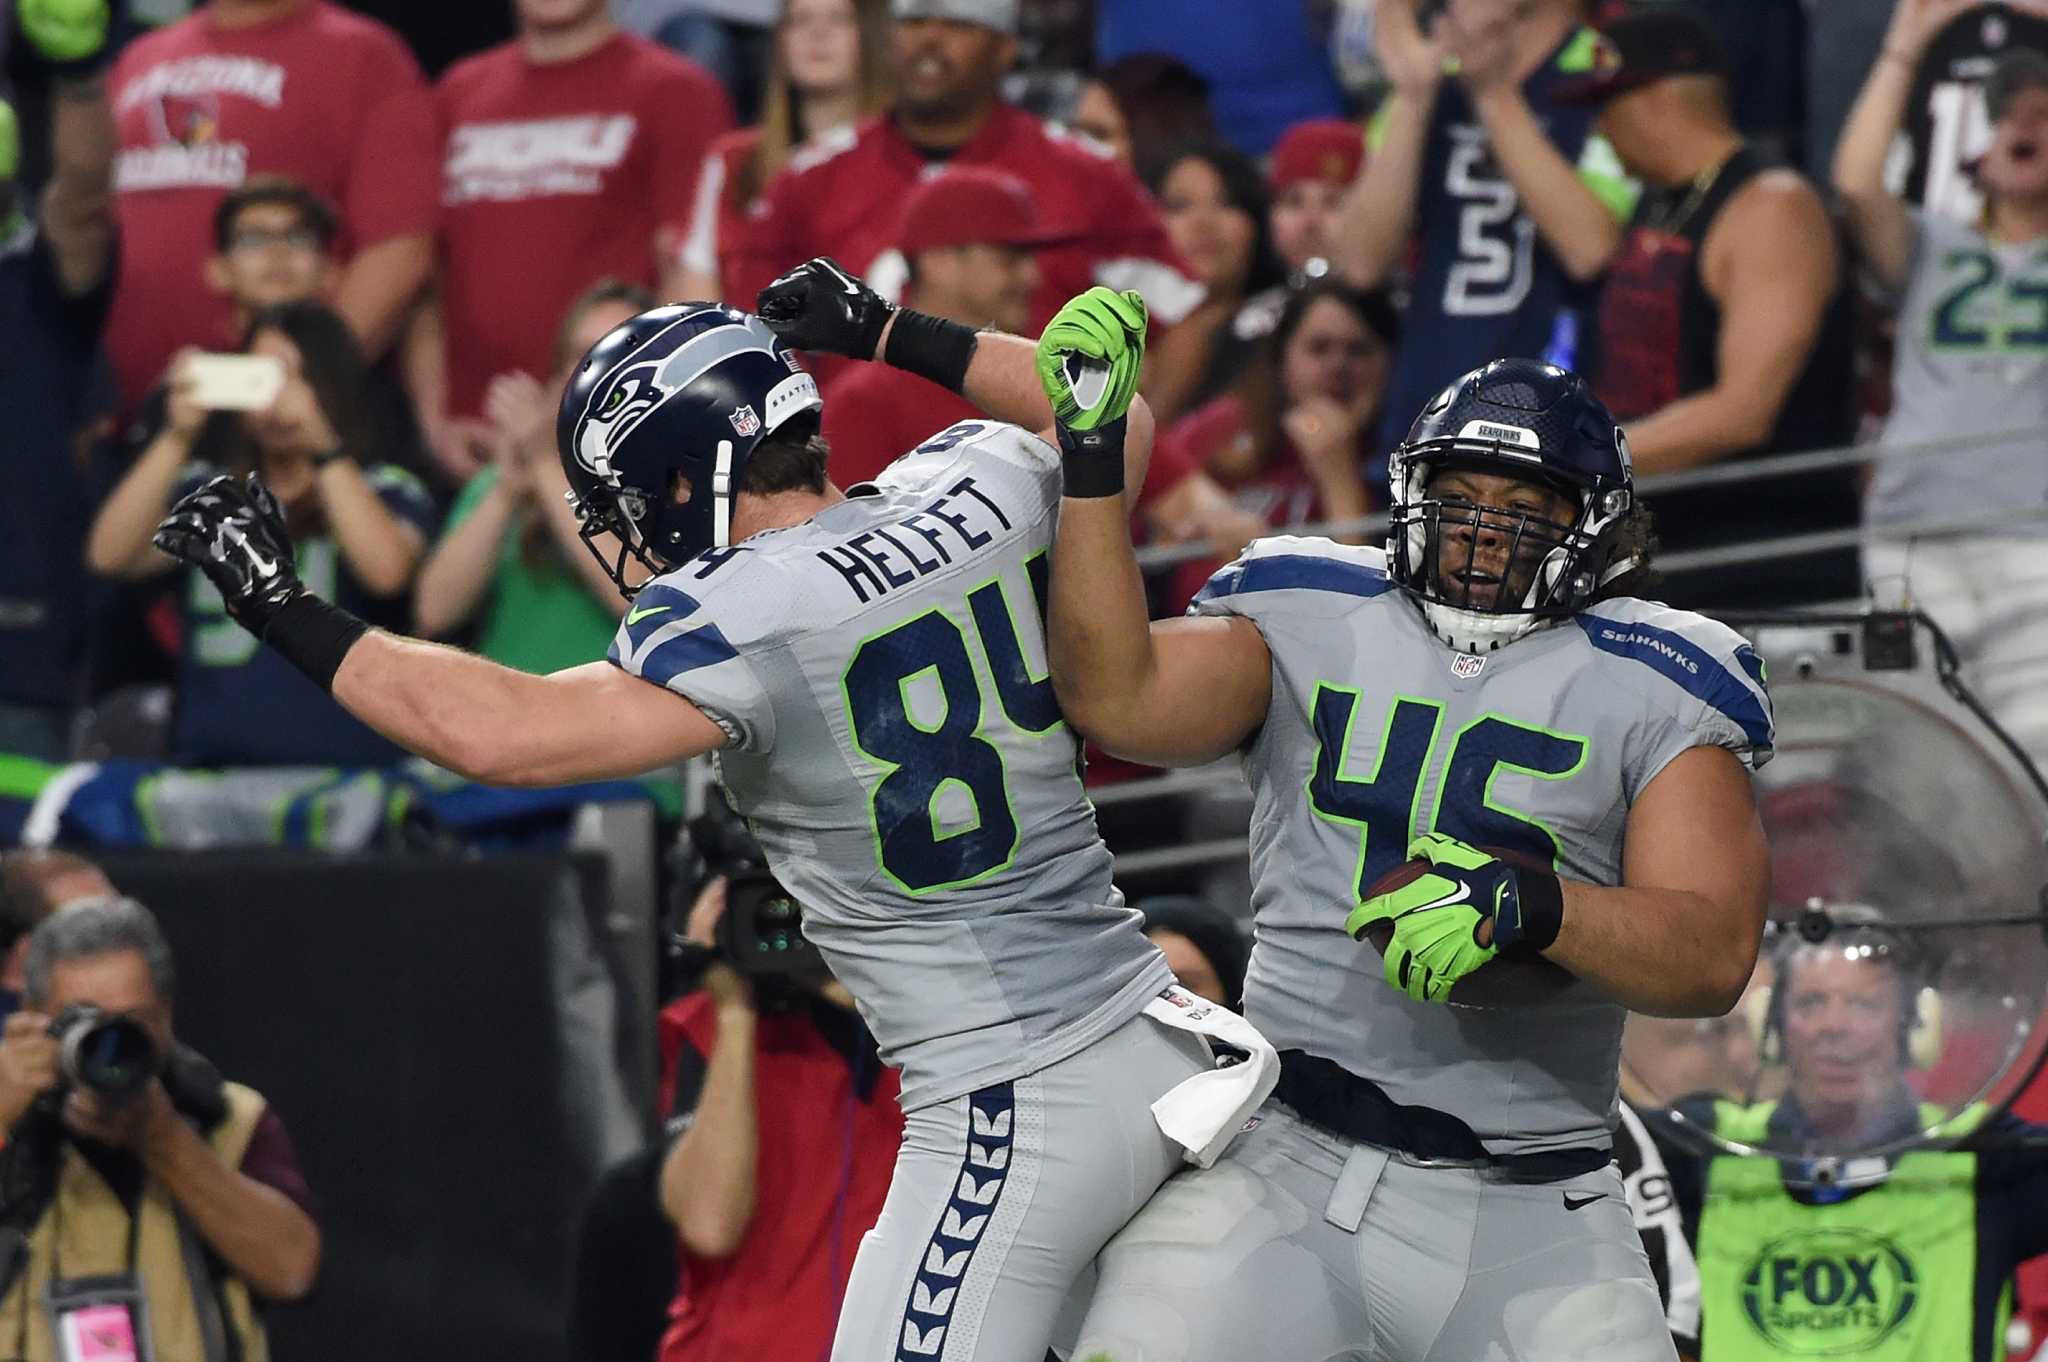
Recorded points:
(970,206)
(1327,149)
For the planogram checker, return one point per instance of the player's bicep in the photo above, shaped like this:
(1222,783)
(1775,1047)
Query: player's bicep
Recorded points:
(596,722)
(1210,684)
(1694,828)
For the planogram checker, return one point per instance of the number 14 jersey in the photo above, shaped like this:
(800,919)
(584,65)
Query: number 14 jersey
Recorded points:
(1376,732)
(894,743)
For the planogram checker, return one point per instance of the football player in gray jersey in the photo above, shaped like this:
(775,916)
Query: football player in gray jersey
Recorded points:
(870,671)
(1569,768)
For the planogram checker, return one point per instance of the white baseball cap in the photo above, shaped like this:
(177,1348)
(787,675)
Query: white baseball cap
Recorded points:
(1000,15)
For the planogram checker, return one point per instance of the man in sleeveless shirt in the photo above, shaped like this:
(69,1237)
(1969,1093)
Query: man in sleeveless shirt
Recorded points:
(1724,329)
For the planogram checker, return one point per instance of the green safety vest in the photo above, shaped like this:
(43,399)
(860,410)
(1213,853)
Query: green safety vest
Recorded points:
(1888,1274)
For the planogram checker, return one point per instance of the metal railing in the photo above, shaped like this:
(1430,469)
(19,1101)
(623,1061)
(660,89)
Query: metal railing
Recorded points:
(1224,779)
(1374,527)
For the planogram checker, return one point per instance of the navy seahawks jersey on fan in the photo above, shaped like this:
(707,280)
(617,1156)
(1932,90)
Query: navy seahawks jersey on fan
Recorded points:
(1485,285)
(1376,732)
(880,674)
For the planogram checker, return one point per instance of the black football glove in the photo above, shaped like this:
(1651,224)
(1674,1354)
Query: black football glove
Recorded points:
(819,306)
(233,531)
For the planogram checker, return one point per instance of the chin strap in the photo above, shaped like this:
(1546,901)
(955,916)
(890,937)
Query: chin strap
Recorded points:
(721,497)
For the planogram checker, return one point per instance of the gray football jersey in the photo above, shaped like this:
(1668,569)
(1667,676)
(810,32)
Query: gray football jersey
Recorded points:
(895,745)
(1377,731)
(1971,355)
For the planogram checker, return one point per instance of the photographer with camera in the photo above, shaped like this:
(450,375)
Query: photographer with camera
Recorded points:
(143,1199)
(783,1121)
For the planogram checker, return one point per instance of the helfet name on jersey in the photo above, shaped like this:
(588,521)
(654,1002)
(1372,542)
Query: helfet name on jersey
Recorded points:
(878,561)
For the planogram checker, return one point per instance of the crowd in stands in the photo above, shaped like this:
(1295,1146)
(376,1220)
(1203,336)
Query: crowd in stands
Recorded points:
(1325,232)
(257,237)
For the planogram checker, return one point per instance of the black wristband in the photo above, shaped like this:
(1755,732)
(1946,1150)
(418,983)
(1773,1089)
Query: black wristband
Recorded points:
(328,456)
(1092,461)
(313,636)
(1540,896)
(930,347)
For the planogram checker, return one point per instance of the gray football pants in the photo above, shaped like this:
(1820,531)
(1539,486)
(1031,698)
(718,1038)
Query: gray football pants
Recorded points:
(1299,1246)
(1002,1198)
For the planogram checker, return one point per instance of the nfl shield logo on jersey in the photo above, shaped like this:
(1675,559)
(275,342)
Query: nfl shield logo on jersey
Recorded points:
(744,420)
(1465,666)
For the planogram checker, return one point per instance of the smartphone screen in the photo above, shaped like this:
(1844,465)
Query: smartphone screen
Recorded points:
(235,382)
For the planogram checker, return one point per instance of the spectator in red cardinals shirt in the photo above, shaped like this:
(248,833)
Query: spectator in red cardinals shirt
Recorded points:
(838,197)
(829,68)
(972,237)
(301,88)
(1313,163)
(969,240)
(570,157)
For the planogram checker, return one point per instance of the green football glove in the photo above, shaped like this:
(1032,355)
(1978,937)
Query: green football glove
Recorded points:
(1089,357)
(68,33)
(1437,916)
(1088,360)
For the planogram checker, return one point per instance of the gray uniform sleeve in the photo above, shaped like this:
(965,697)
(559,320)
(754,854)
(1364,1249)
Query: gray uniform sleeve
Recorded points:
(703,647)
(1706,682)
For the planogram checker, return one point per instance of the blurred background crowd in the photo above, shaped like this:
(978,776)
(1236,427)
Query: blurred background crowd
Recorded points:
(1800,247)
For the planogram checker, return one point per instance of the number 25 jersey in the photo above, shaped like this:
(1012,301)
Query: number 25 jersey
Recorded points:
(1377,731)
(894,743)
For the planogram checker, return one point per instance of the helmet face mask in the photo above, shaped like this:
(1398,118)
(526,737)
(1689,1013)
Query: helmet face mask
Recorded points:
(657,424)
(1487,570)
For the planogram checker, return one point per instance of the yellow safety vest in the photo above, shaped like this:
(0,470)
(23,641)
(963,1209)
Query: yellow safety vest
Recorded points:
(1886,1275)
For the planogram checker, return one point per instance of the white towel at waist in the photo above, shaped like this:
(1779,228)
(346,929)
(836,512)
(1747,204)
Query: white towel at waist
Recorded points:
(1202,1113)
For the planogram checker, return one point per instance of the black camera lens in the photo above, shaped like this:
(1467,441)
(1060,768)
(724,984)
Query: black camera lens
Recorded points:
(111,1056)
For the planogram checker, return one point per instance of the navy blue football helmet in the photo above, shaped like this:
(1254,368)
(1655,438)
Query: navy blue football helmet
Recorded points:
(674,399)
(1536,423)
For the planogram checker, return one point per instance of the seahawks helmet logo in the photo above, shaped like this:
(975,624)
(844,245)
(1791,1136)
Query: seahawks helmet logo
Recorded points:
(652,375)
(614,411)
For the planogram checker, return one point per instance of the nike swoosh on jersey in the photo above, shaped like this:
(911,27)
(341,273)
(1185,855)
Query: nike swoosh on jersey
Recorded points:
(1572,1203)
(635,616)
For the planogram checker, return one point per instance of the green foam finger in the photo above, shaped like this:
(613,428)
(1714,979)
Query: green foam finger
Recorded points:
(65,30)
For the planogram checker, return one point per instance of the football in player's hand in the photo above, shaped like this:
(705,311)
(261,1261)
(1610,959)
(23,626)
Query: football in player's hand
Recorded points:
(1498,983)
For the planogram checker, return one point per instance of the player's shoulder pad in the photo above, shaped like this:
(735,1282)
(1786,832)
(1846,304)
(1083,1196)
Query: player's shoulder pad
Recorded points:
(1700,657)
(826,146)
(1306,569)
(706,612)
(967,443)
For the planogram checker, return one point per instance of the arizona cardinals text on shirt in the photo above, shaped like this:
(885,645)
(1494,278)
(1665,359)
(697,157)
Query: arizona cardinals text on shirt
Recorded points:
(889,556)
(530,158)
(183,98)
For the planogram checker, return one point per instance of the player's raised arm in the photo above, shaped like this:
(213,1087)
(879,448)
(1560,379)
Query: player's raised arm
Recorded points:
(819,306)
(1176,693)
(477,718)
